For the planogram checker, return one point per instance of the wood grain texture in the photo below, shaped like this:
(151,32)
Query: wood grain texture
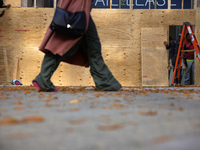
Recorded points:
(154,57)
(14,3)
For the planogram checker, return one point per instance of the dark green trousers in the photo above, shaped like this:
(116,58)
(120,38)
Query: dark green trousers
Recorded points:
(103,78)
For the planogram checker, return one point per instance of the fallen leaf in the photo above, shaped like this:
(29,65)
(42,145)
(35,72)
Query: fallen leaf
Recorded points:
(117,106)
(77,122)
(17,103)
(110,127)
(27,92)
(3,97)
(74,101)
(93,106)
(74,109)
(19,108)
(55,97)
(106,107)
(186,94)
(197,125)
(82,88)
(162,139)
(170,97)
(97,95)
(9,121)
(50,105)
(179,108)
(170,114)
(149,113)
(143,94)
(49,95)
(133,123)
(172,104)
(31,119)
(41,95)
(47,100)
(70,129)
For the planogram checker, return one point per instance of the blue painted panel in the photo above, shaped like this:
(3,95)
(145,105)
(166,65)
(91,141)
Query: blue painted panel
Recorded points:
(176,4)
(187,4)
(140,4)
(115,4)
(101,4)
(124,4)
(161,4)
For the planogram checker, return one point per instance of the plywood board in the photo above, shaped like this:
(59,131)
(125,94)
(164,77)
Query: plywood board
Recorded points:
(14,3)
(154,57)
(197,33)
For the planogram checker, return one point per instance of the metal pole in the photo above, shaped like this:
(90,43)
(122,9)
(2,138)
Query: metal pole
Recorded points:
(155,4)
(35,3)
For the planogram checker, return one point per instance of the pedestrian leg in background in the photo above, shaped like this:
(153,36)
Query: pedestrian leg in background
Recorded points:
(190,67)
(103,78)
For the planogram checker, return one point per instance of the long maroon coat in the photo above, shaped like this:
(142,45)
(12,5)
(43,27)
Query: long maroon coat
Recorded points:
(59,43)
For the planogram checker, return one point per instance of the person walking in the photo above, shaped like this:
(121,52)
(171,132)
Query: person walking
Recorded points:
(83,51)
(189,74)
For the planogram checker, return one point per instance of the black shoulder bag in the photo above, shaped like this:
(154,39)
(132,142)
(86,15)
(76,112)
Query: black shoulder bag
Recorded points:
(70,23)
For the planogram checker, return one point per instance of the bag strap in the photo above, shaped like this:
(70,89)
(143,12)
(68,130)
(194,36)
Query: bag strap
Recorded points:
(82,4)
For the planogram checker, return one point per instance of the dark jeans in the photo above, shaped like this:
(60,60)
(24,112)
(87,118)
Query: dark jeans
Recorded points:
(103,78)
(180,76)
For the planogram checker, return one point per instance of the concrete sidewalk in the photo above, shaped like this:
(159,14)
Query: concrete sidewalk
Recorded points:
(80,118)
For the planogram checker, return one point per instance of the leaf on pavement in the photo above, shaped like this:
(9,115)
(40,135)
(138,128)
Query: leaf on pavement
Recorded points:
(50,105)
(74,109)
(74,101)
(4,97)
(110,127)
(30,119)
(162,139)
(19,108)
(47,100)
(170,114)
(9,121)
(27,92)
(148,113)
(77,122)
(144,94)
(186,94)
(117,105)
(17,103)
(93,106)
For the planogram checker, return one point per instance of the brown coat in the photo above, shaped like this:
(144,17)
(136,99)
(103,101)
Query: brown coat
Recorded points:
(60,44)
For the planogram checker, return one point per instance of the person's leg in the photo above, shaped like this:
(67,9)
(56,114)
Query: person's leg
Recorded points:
(187,73)
(193,75)
(49,65)
(103,78)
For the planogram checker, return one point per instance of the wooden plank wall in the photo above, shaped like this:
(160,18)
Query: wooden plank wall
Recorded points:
(22,30)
